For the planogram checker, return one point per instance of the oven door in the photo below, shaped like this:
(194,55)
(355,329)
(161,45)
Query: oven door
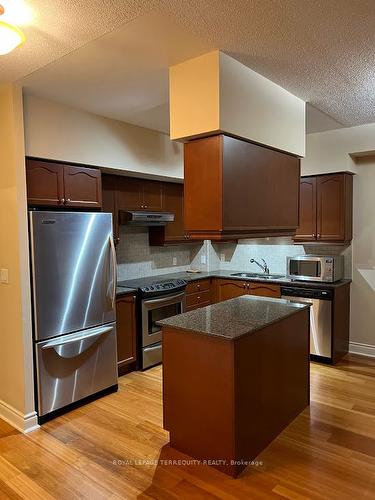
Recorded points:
(154,310)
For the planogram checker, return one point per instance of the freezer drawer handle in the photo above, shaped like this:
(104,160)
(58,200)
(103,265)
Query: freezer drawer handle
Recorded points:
(96,333)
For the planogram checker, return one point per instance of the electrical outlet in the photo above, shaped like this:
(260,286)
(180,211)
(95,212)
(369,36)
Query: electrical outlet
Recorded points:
(203,259)
(174,261)
(222,257)
(4,276)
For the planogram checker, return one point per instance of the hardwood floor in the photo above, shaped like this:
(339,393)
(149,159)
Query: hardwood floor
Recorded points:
(99,451)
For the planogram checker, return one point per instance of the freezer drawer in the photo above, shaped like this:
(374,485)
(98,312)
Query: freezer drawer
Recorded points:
(72,367)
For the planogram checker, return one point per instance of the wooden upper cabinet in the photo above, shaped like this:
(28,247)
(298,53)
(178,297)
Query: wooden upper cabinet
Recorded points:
(109,202)
(153,195)
(172,233)
(307,211)
(56,184)
(236,189)
(129,193)
(334,212)
(45,183)
(83,187)
(139,194)
(326,205)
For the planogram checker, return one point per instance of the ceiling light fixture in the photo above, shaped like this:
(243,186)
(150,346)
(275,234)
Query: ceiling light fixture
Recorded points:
(10,36)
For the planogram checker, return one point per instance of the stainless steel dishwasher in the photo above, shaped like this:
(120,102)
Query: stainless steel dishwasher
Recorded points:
(320,318)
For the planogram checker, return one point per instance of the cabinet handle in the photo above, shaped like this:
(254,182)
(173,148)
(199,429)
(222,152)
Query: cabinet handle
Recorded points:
(145,206)
(62,201)
(198,298)
(318,235)
(67,201)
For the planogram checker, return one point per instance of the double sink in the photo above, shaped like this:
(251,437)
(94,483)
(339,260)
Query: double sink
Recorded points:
(258,275)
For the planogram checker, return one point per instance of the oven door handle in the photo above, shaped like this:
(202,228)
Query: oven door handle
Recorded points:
(168,299)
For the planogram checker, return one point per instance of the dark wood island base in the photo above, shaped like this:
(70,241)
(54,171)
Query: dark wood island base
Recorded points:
(226,399)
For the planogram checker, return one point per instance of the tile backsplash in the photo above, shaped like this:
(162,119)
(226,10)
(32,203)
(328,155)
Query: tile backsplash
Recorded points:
(137,259)
(234,256)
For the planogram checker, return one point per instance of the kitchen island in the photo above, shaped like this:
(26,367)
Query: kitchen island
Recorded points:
(235,374)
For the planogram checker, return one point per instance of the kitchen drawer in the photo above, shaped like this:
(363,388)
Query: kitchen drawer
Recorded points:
(198,298)
(198,286)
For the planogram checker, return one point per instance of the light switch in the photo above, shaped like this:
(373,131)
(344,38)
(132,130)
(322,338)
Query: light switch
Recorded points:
(4,276)
(174,261)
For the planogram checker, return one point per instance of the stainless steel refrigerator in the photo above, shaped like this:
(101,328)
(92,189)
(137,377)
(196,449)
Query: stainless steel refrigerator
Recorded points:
(73,265)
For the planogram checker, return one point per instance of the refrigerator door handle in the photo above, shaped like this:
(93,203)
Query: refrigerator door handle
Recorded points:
(97,332)
(114,270)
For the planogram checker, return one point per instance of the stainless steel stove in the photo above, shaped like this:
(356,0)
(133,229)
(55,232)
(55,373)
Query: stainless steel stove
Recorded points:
(159,298)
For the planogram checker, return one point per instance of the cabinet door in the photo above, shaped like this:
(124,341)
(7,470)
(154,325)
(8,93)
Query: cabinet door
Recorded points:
(331,207)
(174,232)
(153,195)
(265,290)
(229,289)
(109,202)
(129,193)
(83,187)
(45,183)
(174,202)
(126,331)
(260,188)
(307,210)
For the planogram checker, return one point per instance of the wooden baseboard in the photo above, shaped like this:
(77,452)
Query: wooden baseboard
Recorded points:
(23,423)
(362,349)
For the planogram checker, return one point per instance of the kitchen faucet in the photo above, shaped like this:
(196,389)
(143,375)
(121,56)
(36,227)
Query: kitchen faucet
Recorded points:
(263,266)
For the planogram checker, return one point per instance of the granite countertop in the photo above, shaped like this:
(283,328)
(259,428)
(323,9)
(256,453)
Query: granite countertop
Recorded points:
(122,290)
(234,318)
(228,275)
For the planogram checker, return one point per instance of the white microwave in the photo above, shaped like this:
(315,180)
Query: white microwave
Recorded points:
(326,269)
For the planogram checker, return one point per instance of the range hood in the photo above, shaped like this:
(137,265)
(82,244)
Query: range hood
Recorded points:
(144,218)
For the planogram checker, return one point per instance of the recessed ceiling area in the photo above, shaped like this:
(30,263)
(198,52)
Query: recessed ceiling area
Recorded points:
(111,58)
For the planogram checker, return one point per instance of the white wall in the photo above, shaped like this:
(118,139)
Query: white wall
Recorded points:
(215,92)
(258,109)
(363,286)
(59,132)
(330,151)
(16,360)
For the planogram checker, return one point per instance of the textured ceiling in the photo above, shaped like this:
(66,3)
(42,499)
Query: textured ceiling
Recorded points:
(320,50)
(61,26)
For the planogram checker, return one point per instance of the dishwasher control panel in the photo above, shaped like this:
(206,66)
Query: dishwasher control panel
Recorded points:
(308,293)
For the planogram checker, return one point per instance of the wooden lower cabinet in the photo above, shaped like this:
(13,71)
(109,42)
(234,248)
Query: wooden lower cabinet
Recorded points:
(225,289)
(265,290)
(126,333)
(198,294)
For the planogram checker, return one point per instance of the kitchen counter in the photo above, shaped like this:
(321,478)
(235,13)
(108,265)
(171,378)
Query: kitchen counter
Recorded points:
(122,290)
(235,374)
(234,318)
(228,274)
